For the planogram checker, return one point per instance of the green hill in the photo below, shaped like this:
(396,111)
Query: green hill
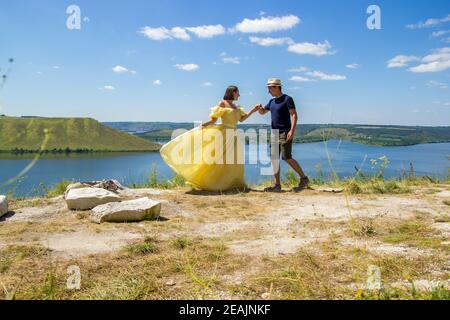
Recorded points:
(27,134)
(377,135)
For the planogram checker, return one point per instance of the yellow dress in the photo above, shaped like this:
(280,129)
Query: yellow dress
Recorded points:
(209,158)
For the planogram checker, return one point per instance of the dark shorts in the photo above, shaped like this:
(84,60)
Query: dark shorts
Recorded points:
(284,147)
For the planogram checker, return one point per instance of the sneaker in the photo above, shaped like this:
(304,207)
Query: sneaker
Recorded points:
(303,184)
(274,188)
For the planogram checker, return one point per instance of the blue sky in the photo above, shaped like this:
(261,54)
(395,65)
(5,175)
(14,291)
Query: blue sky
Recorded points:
(172,60)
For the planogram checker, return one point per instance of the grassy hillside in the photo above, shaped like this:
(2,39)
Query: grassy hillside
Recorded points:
(388,135)
(66,135)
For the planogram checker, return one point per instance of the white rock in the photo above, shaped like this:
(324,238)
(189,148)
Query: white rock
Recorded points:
(76,185)
(3,205)
(127,211)
(88,198)
(110,185)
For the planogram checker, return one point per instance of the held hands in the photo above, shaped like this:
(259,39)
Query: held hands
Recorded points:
(256,108)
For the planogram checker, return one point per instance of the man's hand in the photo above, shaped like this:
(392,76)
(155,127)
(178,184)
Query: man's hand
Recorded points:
(256,108)
(261,110)
(290,135)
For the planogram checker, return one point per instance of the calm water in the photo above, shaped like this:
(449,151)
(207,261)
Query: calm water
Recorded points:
(428,159)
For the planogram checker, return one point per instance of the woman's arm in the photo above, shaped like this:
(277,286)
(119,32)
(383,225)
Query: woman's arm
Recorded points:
(255,109)
(209,123)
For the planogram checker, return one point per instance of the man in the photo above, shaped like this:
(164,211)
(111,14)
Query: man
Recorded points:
(284,120)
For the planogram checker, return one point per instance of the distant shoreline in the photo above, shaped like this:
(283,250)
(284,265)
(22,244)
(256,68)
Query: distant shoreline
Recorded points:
(48,152)
(108,152)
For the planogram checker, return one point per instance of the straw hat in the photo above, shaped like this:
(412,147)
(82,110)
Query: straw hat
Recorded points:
(274,82)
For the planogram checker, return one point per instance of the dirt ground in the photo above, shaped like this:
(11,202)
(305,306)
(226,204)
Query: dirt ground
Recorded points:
(248,245)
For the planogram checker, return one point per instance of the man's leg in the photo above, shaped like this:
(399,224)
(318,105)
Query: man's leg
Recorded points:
(287,156)
(297,168)
(275,150)
(276,171)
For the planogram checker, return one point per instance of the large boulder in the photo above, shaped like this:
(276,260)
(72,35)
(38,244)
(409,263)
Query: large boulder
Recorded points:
(88,198)
(127,211)
(3,205)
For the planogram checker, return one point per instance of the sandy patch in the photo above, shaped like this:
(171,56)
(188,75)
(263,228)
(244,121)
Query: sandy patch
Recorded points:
(83,243)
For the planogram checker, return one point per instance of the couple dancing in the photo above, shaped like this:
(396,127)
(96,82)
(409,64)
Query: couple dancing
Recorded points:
(208,176)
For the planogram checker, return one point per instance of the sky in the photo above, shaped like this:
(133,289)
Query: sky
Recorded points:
(171,60)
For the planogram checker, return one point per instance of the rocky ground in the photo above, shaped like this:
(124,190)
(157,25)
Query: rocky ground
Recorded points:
(251,245)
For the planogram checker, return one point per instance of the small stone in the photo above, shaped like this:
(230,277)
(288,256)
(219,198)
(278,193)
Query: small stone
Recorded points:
(170,283)
(265,295)
(3,205)
(332,190)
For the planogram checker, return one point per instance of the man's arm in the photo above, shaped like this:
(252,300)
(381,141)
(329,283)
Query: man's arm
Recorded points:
(262,110)
(294,119)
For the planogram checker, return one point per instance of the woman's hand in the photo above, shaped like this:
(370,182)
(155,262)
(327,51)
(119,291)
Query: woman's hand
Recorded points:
(256,108)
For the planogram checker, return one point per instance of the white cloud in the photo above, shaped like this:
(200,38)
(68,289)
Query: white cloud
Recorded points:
(187,67)
(207,31)
(439,60)
(180,33)
(157,82)
(301,79)
(56,67)
(121,69)
(267,42)
(300,69)
(156,33)
(262,13)
(435,66)
(436,84)
(234,60)
(352,66)
(162,33)
(109,88)
(429,23)
(326,77)
(401,61)
(318,49)
(207,84)
(266,24)
(445,104)
(440,33)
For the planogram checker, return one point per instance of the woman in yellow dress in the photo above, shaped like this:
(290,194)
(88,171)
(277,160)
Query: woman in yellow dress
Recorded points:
(210,157)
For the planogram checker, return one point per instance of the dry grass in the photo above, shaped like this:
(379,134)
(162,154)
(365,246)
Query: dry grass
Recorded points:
(188,256)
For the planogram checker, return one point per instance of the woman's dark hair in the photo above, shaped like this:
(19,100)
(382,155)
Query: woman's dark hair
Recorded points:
(229,94)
